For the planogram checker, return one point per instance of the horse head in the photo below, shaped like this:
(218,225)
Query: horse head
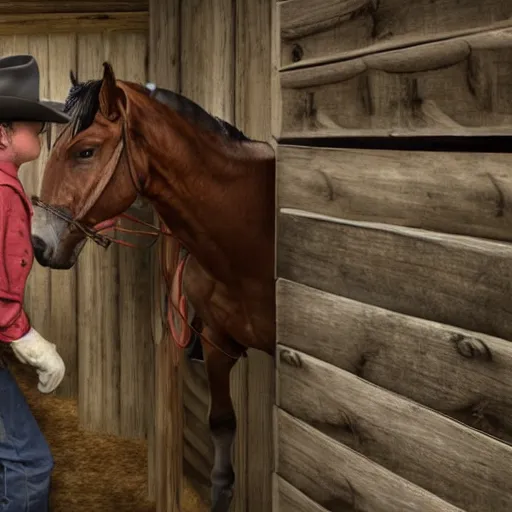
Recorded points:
(88,177)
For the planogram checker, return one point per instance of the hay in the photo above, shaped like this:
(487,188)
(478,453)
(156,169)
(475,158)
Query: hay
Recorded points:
(93,472)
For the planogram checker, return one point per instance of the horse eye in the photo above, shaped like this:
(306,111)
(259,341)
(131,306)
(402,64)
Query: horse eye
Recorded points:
(86,153)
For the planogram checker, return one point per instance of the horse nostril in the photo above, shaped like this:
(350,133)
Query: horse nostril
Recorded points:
(39,246)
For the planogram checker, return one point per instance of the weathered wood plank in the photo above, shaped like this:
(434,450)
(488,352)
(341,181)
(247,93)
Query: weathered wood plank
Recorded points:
(321,30)
(455,280)
(453,87)
(22,7)
(38,296)
(275,79)
(64,23)
(63,283)
(98,314)
(198,434)
(207,47)
(461,193)
(392,431)
(195,380)
(127,54)
(196,460)
(338,478)
(253,117)
(463,374)
(167,433)
(290,499)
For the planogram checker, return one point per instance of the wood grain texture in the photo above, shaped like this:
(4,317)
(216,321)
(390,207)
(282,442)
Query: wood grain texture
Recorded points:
(275,79)
(453,87)
(253,117)
(290,499)
(98,295)
(460,281)
(37,294)
(167,451)
(463,374)
(62,49)
(64,23)
(321,30)
(424,447)
(461,193)
(338,478)
(51,6)
(126,52)
(208,31)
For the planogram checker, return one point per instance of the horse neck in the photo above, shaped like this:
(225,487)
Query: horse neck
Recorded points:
(215,195)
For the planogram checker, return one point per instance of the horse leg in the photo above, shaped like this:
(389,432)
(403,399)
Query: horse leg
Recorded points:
(222,421)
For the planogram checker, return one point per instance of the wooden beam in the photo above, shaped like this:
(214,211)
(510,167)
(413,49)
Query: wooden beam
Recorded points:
(22,7)
(463,374)
(208,78)
(461,193)
(290,499)
(338,478)
(252,116)
(455,280)
(166,447)
(452,87)
(315,31)
(392,431)
(55,23)
(63,283)
(127,54)
(37,293)
(97,311)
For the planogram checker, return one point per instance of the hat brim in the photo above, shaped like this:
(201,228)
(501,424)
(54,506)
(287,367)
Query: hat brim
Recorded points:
(19,109)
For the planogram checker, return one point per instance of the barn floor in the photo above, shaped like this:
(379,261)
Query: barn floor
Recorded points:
(92,472)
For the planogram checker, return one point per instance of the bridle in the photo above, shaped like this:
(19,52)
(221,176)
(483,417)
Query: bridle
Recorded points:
(95,233)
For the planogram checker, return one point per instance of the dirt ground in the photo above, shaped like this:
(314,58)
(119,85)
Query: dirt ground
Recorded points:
(93,473)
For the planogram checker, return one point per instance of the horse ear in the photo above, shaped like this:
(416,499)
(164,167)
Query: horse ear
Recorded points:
(111,97)
(73,78)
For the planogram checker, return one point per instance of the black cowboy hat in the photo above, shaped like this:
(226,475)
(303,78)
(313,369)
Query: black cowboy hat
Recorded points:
(19,92)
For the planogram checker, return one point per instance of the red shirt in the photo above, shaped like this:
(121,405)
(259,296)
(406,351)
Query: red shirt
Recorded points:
(16,253)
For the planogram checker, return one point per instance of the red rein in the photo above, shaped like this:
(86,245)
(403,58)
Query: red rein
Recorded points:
(181,340)
(113,224)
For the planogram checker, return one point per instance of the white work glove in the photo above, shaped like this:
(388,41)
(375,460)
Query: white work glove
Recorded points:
(34,350)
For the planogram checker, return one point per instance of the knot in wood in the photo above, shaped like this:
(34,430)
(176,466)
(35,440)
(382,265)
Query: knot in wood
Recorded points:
(297,53)
(472,348)
(290,358)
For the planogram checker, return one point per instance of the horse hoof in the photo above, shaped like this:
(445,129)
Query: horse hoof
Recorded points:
(221,500)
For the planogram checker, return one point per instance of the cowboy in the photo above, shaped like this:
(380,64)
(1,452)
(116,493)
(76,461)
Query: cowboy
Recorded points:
(25,459)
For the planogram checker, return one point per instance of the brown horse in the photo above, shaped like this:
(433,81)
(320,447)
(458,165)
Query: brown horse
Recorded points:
(212,187)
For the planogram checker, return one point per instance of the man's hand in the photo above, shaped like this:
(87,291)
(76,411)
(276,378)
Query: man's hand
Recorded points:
(34,350)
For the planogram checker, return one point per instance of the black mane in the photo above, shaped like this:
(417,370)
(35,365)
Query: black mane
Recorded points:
(83,103)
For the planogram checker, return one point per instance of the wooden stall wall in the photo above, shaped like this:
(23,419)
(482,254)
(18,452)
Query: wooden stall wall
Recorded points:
(217,54)
(96,313)
(394,330)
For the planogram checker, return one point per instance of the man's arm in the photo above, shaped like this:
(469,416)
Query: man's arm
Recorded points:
(14,322)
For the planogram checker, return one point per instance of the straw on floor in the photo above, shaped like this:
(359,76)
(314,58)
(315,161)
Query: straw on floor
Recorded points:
(93,472)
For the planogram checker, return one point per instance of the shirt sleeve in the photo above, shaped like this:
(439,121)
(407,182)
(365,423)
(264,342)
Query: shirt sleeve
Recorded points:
(14,322)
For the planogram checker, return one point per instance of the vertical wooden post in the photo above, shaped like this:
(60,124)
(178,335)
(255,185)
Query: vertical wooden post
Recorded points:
(134,308)
(97,292)
(63,321)
(252,116)
(164,70)
(208,78)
